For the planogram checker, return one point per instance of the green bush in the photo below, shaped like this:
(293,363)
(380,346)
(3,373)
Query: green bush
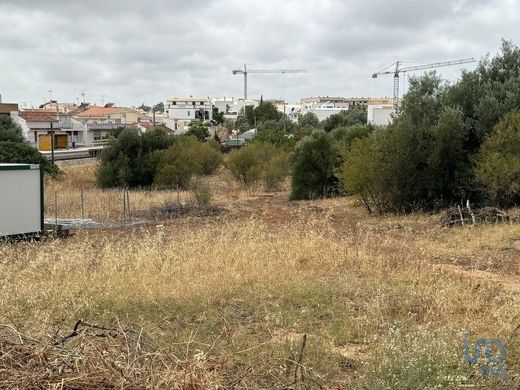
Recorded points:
(275,169)
(10,131)
(186,158)
(209,156)
(356,115)
(259,161)
(359,174)
(313,164)
(276,137)
(22,153)
(498,167)
(308,120)
(132,159)
(14,149)
(198,130)
(245,164)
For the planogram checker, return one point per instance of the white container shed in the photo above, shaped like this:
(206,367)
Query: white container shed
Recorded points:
(21,199)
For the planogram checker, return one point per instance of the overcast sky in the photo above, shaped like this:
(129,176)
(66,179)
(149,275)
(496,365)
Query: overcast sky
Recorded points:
(136,51)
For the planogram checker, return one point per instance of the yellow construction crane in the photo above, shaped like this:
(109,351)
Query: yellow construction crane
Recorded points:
(398,69)
(245,72)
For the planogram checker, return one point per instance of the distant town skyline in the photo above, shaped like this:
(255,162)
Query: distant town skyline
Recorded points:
(133,51)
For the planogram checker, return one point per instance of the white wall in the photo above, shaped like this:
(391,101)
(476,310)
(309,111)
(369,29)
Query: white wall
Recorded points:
(380,114)
(20,207)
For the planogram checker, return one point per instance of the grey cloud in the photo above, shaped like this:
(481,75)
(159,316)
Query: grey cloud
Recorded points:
(135,51)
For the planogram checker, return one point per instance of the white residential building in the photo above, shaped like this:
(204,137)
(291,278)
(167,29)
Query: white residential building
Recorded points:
(380,114)
(181,111)
(231,107)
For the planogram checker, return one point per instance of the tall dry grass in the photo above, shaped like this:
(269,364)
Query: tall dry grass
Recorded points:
(230,300)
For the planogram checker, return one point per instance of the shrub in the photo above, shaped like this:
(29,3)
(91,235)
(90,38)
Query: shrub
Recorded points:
(210,158)
(198,130)
(184,159)
(22,153)
(275,169)
(245,165)
(9,130)
(308,120)
(276,137)
(132,159)
(356,115)
(359,174)
(201,192)
(345,135)
(313,162)
(498,167)
(259,161)
(179,163)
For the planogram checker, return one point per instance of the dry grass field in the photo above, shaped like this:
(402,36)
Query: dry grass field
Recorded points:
(262,293)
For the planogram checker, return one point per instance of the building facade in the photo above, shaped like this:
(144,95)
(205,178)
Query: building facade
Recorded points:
(181,111)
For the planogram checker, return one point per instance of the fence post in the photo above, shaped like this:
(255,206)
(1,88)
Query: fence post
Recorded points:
(56,211)
(128,202)
(82,205)
(124,203)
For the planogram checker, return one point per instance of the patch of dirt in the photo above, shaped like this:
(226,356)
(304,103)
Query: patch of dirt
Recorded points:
(509,283)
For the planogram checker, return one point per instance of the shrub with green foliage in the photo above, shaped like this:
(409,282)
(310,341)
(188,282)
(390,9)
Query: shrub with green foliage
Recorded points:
(198,130)
(186,158)
(259,161)
(356,115)
(14,148)
(359,173)
(498,167)
(23,153)
(313,165)
(308,120)
(276,137)
(10,131)
(132,159)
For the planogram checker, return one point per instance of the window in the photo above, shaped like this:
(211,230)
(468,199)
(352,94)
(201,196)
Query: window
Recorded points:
(174,103)
(201,103)
(188,113)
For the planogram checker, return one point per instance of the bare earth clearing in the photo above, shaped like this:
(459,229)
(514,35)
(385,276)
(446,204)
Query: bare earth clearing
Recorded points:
(254,293)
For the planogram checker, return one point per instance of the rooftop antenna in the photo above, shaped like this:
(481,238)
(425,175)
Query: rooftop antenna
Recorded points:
(82,94)
(103,99)
(50,95)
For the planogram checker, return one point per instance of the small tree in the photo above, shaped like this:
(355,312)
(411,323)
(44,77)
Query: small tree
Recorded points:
(186,158)
(14,149)
(259,161)
(23,153)
(359,174)
(308,120)
(313,162)
(218,116)
(10,131)
(198,130)
(179,163)
(498,167)
(245,165)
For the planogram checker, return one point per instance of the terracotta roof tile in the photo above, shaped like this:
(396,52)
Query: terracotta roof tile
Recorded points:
(38,115)
(98,112)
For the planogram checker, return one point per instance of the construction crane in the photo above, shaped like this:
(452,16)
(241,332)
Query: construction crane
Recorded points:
(245,72)
(397,70)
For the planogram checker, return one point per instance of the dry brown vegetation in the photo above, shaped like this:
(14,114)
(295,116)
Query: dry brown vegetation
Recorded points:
(225,301)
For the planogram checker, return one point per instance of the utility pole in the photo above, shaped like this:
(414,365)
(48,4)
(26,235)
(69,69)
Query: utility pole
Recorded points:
(52,130)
